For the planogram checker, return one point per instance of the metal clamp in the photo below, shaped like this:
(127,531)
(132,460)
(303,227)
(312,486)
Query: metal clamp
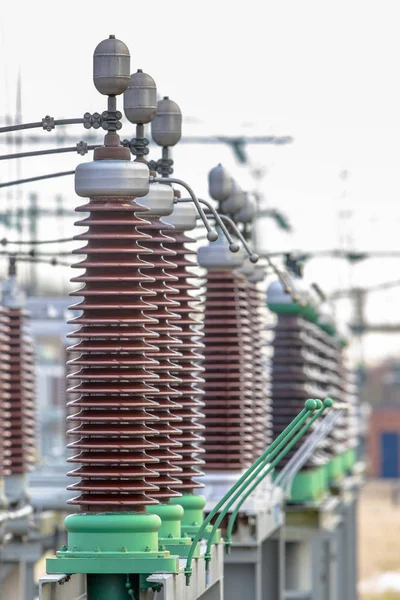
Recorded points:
(82,148)
(48,123)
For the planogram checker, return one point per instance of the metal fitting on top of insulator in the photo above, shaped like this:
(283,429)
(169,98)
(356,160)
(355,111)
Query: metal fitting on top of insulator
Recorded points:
(247,212)
(166,127)
(159,200)
(110,178)
(218,256)
(12,295)
(183,217)
(140,98)
(219,183)
(111,67)
(254,273)
(236,200)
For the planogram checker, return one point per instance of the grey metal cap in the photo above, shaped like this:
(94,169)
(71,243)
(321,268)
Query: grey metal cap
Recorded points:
(108,178)
(140,98)
(217,256)
(253,272)
(247,213)
(166,127)
(159,200)
(183,217)
(219,183)
(235,201)
(276,294)
(111,67)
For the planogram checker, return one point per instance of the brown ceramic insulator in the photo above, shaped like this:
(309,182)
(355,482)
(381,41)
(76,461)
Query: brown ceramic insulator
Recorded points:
(22,395)
(228,373)
(113,371)
(296,375)
(168,371)
(5,413)
(259,376)
(190,348)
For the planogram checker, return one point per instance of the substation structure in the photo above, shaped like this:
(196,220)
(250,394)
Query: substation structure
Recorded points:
(212,417)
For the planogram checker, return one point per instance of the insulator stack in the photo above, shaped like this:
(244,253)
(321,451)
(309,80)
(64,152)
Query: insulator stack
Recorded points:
(115,372)
(5,406)
(22,395)
(298,363)
(189,361)
(168,371)
(261,404)
(335,387)
(228,386)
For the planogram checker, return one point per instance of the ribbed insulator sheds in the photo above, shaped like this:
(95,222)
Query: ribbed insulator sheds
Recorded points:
(22,394)
(167,370)
(307,363)
(260,383)
(297,374)
(115,373)
(228,377)
(190,348)
(5,406)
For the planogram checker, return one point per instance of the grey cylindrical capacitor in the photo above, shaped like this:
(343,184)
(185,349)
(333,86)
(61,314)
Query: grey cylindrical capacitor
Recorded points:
(111,67)
(248,211)
(219,183)
(166,127)
(140,98)
(236,200)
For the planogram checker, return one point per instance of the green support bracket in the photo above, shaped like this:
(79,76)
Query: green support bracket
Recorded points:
(265,468)
(310,406)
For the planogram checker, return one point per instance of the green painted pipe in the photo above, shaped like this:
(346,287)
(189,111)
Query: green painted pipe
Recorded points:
(280,449)
(310,406)
(270,466)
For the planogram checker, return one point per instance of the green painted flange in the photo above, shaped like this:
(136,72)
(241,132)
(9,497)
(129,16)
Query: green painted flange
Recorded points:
(193,517)
(329,328)
(170,535)
(293,308)
(112,543)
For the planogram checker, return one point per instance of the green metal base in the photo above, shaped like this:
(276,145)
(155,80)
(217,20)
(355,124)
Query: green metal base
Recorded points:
(170,536)
(350,458)
(193,517)
(336,469)
(112,543)
(308,486)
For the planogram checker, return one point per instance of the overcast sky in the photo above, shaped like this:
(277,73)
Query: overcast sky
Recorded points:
(326,73)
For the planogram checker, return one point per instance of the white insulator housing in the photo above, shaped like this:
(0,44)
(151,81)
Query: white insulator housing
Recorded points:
(111,67)
(248,211)
(112,178)
(218,256)
(159,200)
(140,98)
(220,183)
(166,127)
(236,200)
(183,217)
